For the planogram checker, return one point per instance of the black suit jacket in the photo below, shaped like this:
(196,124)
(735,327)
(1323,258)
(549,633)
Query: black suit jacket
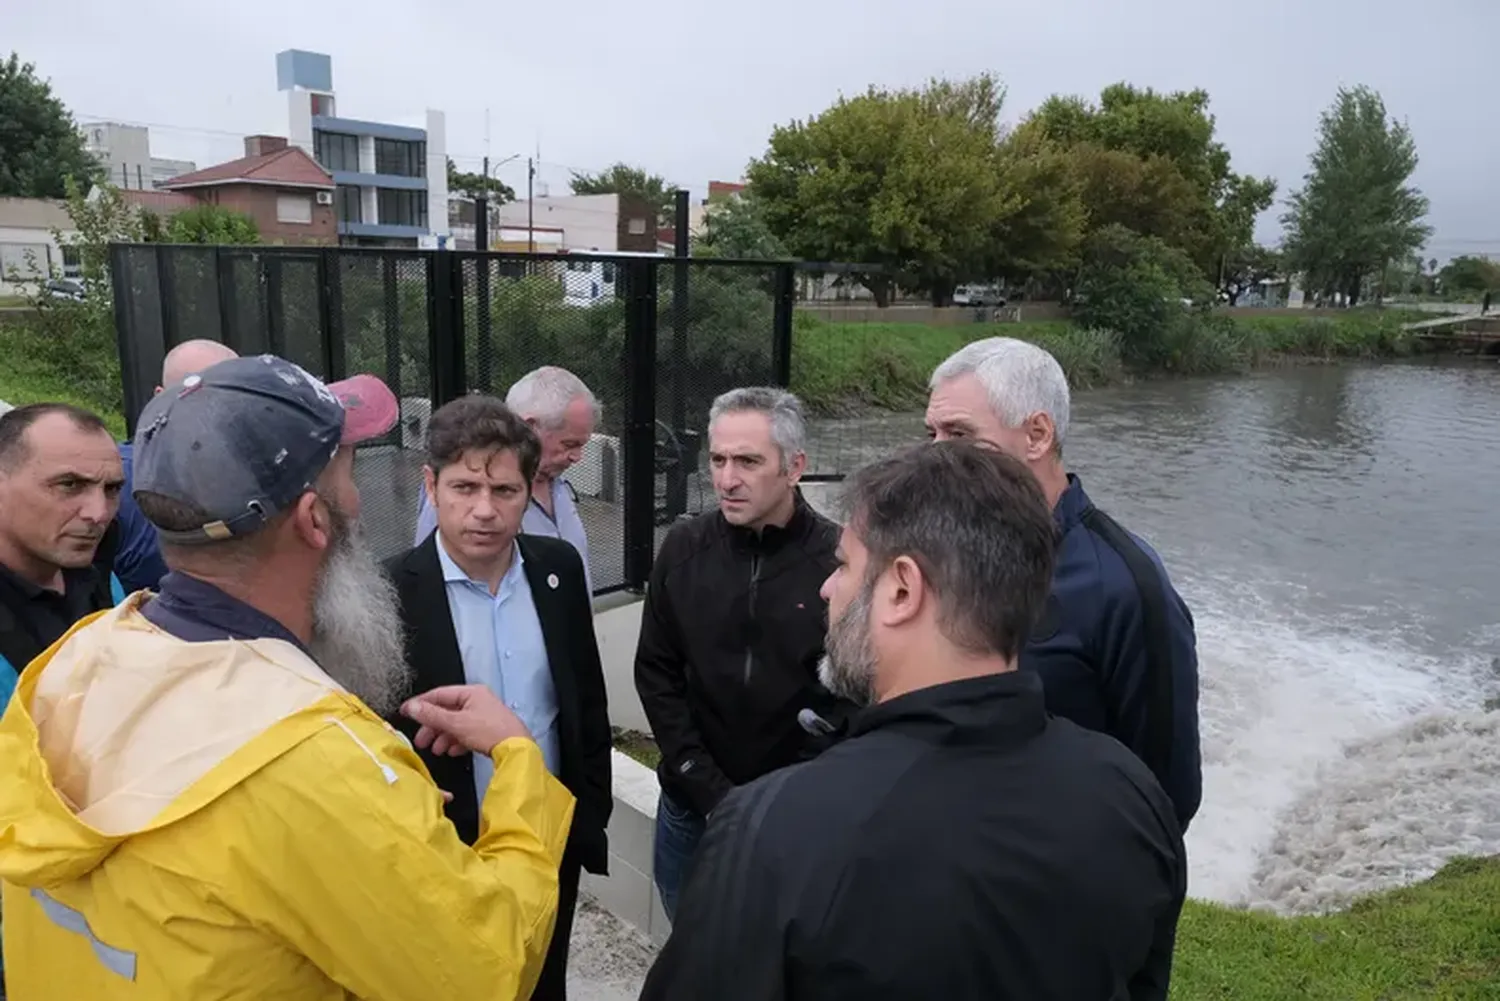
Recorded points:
(567,620)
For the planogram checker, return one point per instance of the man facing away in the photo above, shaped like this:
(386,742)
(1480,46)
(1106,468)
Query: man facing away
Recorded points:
(563,413)
(138,562)
(732,626)
(485,605)
(201,798)
(60,482)
(960,843)
(1115,646)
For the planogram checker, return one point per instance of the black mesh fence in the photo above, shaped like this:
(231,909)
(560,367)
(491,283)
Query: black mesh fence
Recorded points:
(655,339)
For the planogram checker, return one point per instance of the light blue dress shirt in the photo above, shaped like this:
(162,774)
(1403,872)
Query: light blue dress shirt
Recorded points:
(566,525)
(501,643)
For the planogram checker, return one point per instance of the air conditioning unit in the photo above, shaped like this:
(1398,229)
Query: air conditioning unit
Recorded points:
(325,197)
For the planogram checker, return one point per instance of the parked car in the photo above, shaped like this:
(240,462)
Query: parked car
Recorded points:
(68,289)
(978,295)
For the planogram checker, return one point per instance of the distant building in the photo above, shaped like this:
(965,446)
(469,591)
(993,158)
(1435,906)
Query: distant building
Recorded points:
(282,189)
(29,250)
(600,223)
(391,181)
(124,151)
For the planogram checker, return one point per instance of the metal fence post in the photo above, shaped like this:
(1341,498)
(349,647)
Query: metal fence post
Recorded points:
(445,327)
(128,338)
(677,476)
(392,300)
(167,285)
(275,305)
(640,420)
(781,325)
(331,314)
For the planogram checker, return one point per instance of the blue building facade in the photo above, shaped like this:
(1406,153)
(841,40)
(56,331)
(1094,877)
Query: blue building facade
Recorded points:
(392,179)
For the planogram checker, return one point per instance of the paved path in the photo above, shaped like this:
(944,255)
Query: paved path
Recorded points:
(608,959)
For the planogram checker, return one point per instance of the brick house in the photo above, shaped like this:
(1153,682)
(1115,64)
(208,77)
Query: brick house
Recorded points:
(280,187)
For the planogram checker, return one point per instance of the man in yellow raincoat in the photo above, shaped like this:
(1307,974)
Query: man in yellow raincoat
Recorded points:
(201,800)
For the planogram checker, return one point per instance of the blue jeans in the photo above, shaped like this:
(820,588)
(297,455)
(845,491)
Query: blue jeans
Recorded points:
(679,828)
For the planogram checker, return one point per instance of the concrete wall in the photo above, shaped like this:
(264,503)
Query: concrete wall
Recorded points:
(588,222)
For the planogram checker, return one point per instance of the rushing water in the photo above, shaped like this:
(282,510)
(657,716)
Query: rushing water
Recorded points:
(1335,531)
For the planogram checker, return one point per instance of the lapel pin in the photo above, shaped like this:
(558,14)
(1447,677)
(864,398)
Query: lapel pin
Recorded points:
(552,581)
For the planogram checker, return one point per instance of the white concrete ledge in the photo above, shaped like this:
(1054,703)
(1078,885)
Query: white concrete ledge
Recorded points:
(629,892)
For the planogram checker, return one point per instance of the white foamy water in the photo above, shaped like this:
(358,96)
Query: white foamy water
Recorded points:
(1306,733)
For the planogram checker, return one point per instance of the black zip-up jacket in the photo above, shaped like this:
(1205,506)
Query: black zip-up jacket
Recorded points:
(959,844)
(731,635)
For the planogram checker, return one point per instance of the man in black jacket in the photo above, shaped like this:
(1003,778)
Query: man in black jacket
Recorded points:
(483,604)
(959,843)
(732,628)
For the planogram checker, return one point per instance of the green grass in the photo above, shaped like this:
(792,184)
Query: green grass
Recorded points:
(841,368)
(29,373)
(1435,940)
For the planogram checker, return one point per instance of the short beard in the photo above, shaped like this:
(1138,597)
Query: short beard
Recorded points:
(848,667)
(356,636)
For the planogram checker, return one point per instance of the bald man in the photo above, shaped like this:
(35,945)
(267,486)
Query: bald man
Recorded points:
(138,562)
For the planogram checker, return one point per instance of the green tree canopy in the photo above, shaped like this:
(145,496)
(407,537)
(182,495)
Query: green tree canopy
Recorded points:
(921,182)
(1469,275)
(40,146)
(1356,212)
(735,226)
(467,184)
(1150,162)
(623,179)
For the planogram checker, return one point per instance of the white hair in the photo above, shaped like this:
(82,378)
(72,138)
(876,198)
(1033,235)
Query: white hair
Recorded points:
(1019,378)
(782,409)
(544,395)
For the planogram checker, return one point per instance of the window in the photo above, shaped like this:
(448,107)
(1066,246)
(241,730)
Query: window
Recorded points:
(335,150)
(402,208)
(348,205)
(636,226)
(72,262)
(294,208)
(403,159)
(322,104)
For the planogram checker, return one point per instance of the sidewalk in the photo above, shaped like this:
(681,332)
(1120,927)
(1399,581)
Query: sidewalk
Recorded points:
(608,959)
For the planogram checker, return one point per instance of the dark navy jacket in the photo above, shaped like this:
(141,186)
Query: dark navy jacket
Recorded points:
(138,563)
(1116,649)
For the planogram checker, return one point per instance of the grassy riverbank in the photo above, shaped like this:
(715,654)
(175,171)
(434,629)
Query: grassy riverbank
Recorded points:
(849,367)
(1439,939)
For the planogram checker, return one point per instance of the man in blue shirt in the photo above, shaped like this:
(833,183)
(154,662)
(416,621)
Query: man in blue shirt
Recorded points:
(138,563)
(563,413)
(1115,646)
(485,603)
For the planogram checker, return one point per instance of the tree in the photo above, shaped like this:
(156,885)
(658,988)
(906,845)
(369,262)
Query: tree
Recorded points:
(472,185)
(1246,268)
(1150,162)
(1038,243)
(40,146)
(1356,212)
(910,180)
(1140,288)
(1469,275)
(211,224)
(623,179)
(735,226)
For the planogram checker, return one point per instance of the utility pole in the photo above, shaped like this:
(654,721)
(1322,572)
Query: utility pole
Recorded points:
(484,350)
(530,206)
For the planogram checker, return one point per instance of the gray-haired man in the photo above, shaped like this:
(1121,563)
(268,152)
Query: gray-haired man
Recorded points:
(563,413)
(732,628)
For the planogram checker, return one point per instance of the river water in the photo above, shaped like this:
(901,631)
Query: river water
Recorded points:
(1335,532)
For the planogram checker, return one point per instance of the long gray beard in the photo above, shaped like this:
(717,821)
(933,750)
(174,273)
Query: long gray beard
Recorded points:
(848,667)
(356,635)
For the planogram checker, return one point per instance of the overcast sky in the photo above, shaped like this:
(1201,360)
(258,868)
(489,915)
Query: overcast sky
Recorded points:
(692,90)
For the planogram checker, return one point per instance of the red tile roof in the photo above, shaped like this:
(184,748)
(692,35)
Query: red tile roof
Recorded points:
(724,188)
(290,167)
(159,201)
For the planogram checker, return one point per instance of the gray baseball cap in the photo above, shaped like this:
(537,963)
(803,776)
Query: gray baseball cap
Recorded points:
(244,439)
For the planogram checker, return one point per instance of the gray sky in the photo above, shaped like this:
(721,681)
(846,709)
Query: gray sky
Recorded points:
(692,91)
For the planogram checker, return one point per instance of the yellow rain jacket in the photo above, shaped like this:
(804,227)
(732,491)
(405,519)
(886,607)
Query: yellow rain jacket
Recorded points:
(216,821)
